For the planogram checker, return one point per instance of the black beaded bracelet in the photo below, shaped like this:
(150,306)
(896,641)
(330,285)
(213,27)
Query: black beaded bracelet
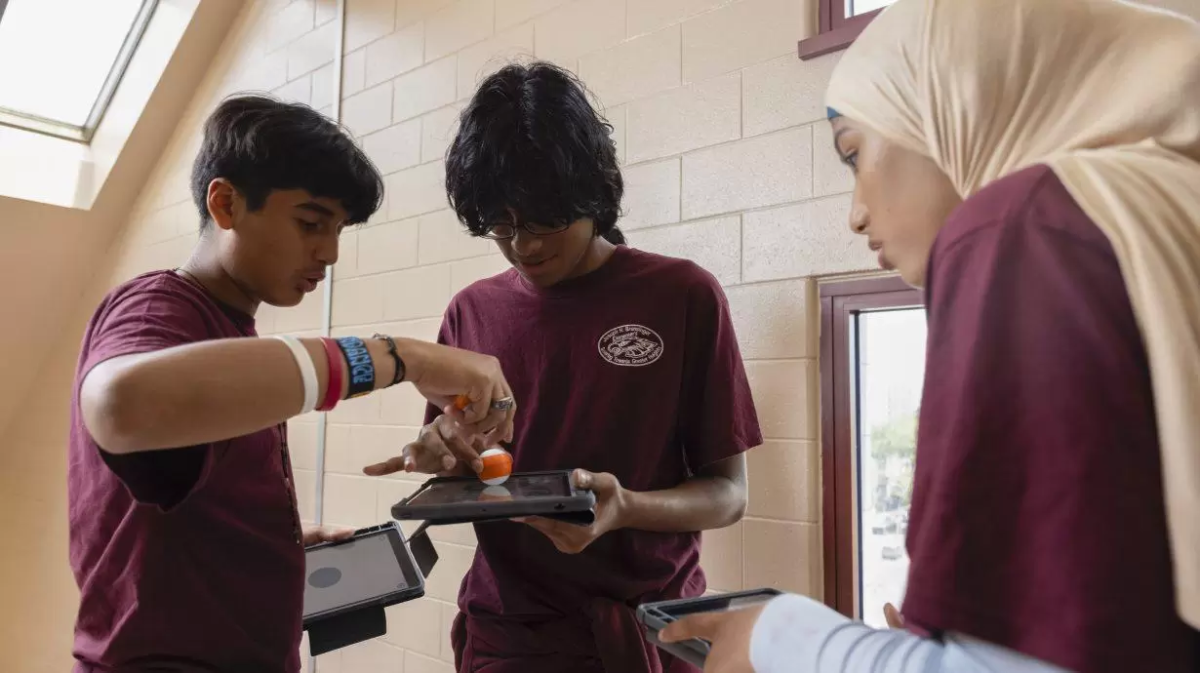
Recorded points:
(361,368)
(401,370)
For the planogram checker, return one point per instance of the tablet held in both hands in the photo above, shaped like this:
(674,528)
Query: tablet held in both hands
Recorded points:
(450,500)
(656,616)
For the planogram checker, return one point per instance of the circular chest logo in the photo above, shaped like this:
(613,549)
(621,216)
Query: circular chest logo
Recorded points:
(630,346)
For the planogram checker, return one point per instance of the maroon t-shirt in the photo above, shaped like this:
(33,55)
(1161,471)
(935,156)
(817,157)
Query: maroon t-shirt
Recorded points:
(1037,518)
(187,559)
(633,369)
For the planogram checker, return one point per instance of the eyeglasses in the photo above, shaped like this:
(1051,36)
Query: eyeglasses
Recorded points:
(506,230)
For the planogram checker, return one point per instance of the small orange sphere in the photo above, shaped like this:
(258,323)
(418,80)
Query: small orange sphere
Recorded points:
(497,466)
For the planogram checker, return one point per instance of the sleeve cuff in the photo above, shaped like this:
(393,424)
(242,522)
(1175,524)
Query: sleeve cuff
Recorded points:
(789,634)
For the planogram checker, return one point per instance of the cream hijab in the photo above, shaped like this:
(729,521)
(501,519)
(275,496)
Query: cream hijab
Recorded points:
(1107,94)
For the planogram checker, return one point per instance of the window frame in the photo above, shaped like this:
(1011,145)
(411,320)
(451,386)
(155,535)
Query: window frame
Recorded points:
(834,30)
(842,300)
(83,134)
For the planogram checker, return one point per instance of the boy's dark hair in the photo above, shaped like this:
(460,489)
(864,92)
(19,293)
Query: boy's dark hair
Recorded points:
(261,145)
(529,140)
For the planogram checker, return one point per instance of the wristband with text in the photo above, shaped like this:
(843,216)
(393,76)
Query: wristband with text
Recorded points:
(361,368)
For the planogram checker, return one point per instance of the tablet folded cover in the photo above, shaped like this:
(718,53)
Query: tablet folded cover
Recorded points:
(353,627)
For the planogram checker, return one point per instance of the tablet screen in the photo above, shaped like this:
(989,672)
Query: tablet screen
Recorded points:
(351,572)
(518,487)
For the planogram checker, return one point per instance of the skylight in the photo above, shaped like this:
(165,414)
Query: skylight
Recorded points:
(61,61)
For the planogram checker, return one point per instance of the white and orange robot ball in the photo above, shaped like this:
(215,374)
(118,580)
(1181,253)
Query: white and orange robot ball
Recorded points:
(497,466)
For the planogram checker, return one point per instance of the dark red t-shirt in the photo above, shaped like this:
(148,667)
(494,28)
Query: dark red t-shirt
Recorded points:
(633,369)
(1037,518)
(186,559)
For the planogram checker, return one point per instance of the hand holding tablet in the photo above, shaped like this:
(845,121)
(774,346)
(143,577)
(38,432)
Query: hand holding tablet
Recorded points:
(316,534)
(608,514)
(373,568)
(705,619)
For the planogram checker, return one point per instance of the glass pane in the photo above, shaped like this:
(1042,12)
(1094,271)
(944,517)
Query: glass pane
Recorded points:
(856,7)
(56,54)
(891,365)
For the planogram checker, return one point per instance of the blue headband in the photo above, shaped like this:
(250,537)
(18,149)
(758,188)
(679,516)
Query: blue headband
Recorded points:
(831,113)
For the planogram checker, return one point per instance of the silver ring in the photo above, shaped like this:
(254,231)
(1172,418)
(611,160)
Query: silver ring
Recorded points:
(503,404)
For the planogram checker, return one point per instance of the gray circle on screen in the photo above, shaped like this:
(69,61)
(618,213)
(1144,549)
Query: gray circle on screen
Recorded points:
(323,578)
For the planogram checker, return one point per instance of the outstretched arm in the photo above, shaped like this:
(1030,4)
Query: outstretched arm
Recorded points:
(211,391)
(795,633)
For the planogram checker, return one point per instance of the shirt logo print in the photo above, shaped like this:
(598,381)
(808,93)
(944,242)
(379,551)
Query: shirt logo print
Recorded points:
(630,346)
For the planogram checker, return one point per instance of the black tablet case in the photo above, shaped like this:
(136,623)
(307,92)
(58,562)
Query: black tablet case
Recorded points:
(580,510)
(359,624)
(694,651)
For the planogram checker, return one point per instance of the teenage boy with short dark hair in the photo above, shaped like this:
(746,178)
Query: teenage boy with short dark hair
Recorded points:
(184,534)
(627,366)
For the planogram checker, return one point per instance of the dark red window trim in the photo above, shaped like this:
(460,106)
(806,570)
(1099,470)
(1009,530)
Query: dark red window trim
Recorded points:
(841,301)
(835,31)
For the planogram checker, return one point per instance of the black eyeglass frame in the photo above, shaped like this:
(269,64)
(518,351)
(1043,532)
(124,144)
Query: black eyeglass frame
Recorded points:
(545,230)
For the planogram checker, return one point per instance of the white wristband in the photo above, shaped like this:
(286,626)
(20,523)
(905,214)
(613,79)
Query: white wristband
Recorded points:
(307,371)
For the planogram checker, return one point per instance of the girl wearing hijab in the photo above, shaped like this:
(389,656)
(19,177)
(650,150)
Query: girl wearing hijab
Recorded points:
(1034,165)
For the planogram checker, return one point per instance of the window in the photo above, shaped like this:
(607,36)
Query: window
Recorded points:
(839,22)
(872,368)
(61,61)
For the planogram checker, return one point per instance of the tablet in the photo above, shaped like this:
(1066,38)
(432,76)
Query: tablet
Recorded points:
(374,568)
(446,500)
(656,616)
